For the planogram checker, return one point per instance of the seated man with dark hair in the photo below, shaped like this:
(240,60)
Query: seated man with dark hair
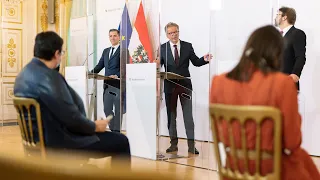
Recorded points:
(64,119)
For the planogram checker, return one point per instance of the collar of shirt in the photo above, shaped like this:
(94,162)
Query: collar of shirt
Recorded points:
(172,48)
(285,30)
(178,44)
(115,47)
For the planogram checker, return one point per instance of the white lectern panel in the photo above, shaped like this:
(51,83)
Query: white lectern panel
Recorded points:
(141,109)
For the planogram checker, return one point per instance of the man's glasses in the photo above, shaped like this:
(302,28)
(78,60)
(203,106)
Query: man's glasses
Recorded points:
(171,33)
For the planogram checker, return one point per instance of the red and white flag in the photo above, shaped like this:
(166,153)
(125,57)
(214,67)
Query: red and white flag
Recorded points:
(140,46)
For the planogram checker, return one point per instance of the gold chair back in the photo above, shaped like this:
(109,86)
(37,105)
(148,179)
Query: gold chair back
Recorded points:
(257,114)
(24,107)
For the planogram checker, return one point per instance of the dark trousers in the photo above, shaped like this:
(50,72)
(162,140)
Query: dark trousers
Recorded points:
(111,144)
(111,97)
(185,97)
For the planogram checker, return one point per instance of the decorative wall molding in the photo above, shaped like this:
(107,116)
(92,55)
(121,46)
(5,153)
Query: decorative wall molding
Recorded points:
(57,15)
(7,93)
(12,12)
(44,15)
(18,29)
(13,2)
(12,52)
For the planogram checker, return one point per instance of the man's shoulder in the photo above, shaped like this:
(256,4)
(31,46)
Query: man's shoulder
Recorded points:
(185,43)
(164,44)
(30,78)
(299,32)
(106,49)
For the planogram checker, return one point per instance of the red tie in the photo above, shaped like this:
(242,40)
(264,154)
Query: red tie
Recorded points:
(176,54)
(281,32)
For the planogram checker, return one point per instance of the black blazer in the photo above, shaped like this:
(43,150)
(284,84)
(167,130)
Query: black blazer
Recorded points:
(111,65)
(294,52)
(186,53)
(64,119)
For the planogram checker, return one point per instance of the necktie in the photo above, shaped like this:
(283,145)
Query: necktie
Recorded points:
(111,52)
(176,54)
(281,32)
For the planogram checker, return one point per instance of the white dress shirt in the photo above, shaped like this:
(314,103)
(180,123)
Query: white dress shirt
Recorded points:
(173,49)
(285,30)
(114,50)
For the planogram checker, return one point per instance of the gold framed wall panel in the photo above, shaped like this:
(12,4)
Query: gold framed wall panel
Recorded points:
(18,28)
(7,111)
(7,93)
(12,13)
(12,52)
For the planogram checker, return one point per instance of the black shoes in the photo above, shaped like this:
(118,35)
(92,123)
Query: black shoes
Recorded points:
(172,149)
(193,151)
(175,148)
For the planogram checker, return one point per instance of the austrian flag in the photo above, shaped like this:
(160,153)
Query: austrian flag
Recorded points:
(140,46)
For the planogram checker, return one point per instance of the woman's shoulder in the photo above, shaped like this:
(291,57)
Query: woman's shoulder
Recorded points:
(219,76)
(281,77)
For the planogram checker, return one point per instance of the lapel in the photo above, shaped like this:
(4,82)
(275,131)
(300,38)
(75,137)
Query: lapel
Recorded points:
(288,38)
(115,54)
(106,57)
(182,47)
(168,53)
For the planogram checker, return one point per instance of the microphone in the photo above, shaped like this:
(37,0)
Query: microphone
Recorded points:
(87,58)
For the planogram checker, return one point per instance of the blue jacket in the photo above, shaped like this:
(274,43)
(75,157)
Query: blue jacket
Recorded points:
(111,65)
(62,111)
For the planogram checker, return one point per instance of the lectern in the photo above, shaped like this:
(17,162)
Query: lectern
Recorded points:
(93,99)
(165,76)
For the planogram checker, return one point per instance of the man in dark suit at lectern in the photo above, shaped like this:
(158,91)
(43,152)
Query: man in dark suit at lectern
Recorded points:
(295,44)
(110,60)
(175,56)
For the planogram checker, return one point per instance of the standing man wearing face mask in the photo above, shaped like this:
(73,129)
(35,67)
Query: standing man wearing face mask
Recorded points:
(110,61)
(295,44)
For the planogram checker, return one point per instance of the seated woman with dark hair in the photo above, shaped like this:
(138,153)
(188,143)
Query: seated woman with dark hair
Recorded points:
(256,80)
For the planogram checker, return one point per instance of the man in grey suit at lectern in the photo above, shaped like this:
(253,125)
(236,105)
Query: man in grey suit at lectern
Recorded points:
(175,56)
(110,60)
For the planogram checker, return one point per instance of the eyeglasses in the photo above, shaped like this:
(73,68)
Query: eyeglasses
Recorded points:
(62,52)
(171,33)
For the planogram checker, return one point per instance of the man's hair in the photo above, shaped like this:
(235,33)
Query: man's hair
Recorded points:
(171,24)
(290,13)
(114,30)
(46,44)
